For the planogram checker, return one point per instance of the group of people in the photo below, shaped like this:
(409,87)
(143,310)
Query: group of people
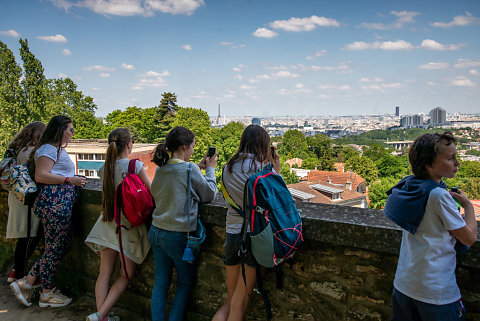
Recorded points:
(44,147)
(424,287)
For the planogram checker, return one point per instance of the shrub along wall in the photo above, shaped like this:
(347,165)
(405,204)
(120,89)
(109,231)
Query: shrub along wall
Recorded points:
(344,271)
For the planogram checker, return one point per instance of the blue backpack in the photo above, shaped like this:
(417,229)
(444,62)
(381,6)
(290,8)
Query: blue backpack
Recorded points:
(272,227)
(271,219)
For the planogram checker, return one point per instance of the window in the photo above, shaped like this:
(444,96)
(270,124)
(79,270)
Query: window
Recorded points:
(100,156)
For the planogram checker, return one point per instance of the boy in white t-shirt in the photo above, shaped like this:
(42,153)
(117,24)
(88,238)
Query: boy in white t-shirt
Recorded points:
(425,287)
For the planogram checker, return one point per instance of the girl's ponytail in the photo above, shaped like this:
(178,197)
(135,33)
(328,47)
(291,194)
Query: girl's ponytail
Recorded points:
(118,140)
(160,155)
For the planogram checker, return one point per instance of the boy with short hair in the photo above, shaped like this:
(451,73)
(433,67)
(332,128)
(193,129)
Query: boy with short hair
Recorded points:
(425,287)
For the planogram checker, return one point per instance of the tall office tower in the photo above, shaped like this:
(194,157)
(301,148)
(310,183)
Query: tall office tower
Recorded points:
(397,111)
(438,116)
(218,117)
(412,121)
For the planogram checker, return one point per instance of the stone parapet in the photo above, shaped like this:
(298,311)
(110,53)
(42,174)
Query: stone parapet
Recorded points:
(344,271)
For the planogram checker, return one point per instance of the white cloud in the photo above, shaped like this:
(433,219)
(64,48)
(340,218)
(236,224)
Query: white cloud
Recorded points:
(386,45)
(431,83)
(57,38)
(95,88)
(466,20)
(474,72)
(187,47)
(236,69)
(284,74)
(328,86)
(152,73)
(186,7)
(10,33)
(66,52)
(403,17)
(246,87)
(462,82)
(304,24)
(133,7)
(467,63)
(319,53)
(382,87)
(60,75)
(433,45)
(368,80)
(232,45)
(264,33)
(104,75)
(127,67)
(98,68)
(434,65)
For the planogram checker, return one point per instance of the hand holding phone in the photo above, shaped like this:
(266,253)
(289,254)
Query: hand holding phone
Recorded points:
(272,149)
(211,151)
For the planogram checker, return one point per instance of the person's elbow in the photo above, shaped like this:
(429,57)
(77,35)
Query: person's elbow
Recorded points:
(466,235)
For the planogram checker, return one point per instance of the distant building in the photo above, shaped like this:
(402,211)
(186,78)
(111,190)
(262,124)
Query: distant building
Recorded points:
(347,180)
(397,111)
(327,194)
(89,155)
(257,121)
(438,116)
(411,121)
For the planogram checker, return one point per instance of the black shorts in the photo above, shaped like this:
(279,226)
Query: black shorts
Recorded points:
(231,251)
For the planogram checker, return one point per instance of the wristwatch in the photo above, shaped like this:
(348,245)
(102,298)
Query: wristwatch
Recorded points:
(66,181)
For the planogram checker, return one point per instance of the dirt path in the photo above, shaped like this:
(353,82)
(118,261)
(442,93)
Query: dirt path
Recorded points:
(12,310)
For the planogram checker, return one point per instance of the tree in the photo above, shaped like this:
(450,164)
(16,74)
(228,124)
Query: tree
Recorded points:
(165,114)
(198,122)
(469,169)
(377,192)
(390,166)
(364,167)
(375,152)
(294,144)
(288,176)
(321,146)
(227,141)
(10,95)
(311,163)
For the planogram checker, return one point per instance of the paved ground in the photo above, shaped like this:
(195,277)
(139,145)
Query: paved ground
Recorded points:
(12,310)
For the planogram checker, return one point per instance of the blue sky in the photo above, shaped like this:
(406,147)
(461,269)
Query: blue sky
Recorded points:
(260,58)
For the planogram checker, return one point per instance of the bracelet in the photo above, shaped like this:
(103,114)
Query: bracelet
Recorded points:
(66,181)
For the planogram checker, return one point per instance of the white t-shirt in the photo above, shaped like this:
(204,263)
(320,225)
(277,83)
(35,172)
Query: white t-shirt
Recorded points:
(426,266)
(235,183)
(63,164)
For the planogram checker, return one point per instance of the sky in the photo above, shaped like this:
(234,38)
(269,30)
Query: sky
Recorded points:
(258,57)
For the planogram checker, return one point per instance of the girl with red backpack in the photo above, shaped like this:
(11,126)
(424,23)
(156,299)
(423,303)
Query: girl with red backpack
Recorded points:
(103,238)
(171,220)
(252,154)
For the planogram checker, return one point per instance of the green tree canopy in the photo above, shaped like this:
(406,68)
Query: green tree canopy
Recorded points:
(321,146)
(377,191)
(294,144)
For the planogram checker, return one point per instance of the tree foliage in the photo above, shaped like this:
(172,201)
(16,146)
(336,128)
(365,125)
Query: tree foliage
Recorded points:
(321,146)
(377,192)
(294,144)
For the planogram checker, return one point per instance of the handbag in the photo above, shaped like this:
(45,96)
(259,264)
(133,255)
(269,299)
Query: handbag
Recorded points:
(6,165)
(194,240)
(23,186)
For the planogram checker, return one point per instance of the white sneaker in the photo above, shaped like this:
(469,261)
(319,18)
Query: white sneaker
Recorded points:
(22,291)
(96,317)
(54,299)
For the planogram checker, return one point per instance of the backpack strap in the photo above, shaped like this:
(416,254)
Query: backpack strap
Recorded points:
(117,216)
(131,166)
(187,203)
(227,196)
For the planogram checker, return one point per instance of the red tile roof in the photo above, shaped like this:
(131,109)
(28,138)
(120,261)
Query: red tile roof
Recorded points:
(335,178)
(321,197)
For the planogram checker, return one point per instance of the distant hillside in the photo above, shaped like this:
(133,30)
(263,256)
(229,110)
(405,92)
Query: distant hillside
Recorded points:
(380,136)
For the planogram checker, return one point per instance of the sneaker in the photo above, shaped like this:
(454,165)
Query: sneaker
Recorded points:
(96,317)
(22,291)
(11,277)
(54,299)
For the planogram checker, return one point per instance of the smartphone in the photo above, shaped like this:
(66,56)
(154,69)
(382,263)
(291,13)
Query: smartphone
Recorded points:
(454,189)
(211,151)
(272,149)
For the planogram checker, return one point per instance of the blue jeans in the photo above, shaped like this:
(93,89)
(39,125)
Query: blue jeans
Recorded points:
(167,247)
(405,308)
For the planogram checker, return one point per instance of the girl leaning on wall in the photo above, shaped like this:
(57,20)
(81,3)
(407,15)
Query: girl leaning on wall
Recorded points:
(54,173)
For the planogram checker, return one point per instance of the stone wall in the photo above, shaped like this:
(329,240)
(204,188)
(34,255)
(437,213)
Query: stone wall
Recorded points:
(343,272)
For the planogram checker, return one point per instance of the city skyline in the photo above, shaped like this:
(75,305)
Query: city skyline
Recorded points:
(268,58)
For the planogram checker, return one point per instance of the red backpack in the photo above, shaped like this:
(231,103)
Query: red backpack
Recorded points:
(136,202)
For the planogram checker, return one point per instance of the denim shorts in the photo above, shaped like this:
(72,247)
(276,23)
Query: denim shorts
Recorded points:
(406,308)
(231,251)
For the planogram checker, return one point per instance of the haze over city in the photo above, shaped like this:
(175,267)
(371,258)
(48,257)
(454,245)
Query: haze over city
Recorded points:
(260,58)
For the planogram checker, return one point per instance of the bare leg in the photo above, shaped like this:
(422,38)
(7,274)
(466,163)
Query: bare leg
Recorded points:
(241,295)
(118,287)
(107,266)
(232,274)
